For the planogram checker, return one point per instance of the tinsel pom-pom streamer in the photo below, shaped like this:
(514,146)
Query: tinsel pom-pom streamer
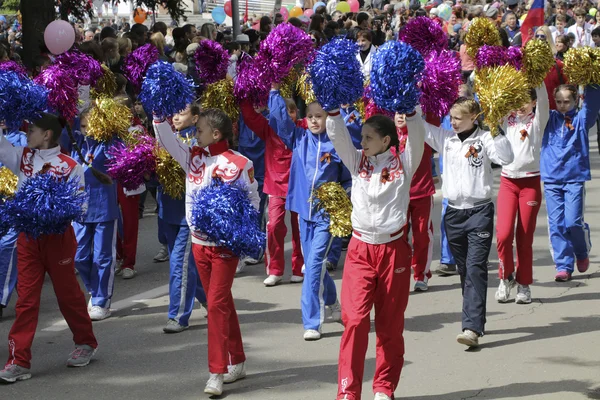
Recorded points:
(582,66)
(538,60)
(223,212)
(4,220)
(491,56)
(395,71)
(165,91)
(20,99)
(500,90)
(45,205)
(170,174)
(304,88)
(220,95)
(336,74)
(107,119)
(106,85)
(332,198)
(8,182)
(62,90)
(13,66)
(481,31)
(424,35)
(211,61)
(441,82)
(128,165)
(285,47)
(84,68)
(515,57)
(137,63)
(288,84)
(253,81)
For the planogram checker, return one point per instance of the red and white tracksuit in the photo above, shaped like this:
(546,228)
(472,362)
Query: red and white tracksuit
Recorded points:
(378,262)
(278,158)
(216,265)
(53,254)
(520,194)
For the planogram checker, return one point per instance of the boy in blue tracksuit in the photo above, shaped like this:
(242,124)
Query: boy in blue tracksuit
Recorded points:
(8,242)
(314,162)
(184,281)
(96,236)
(564,168)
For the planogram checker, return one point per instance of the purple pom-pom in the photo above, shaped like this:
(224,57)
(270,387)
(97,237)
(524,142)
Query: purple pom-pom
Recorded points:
(62,90)
(212,61)
(84,68)
(336,74)
(495,56)
(285,47)
(137,63)
(129,165)
(394,74)
(425,35)
(223,212)
(440,83)
(165,91)
(253,81)
(13,66)
(515,57)
(20,99)
(46,204)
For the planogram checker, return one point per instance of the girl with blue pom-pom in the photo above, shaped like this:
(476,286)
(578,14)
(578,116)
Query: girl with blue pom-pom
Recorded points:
(211,159)
(47,253)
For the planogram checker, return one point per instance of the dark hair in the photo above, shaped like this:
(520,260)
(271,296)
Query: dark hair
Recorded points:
(420,13)
(121,82)
(295,22)
(232,46)
(533,94)
(321,10)
(596,32)
(138,32)
(160,27)
(195,108)
(365,34)
(50,122)
(569,88)
(362,17)
(93,49)
(218,120)
(315,22)
(384,126)
(107,32)
(265,24)
(187,28)
(321,39)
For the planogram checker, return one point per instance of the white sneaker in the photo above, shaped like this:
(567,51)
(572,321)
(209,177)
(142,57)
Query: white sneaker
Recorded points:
(214,385)
(98,313)
(421,286)
(503,292)
(119,268)
(272,280)
(311,334)
(250,261)
(523,294)
(90,304)
(128,273)
(240,267)
(234,373)
(382,396)
(296,279)
(336,311)
(163,254)
(303,270)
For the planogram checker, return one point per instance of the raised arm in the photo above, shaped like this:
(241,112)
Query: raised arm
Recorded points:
(342,141)
(256,122)
(413,152)
(286,128)
(10,156)
(542,110)
(591,106)
(167,139)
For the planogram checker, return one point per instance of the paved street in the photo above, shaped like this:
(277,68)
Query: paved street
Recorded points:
(549,349)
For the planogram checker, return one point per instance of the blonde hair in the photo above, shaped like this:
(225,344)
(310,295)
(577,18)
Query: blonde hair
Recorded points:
(466,105)
(124,46)
(158,40)
(548,35)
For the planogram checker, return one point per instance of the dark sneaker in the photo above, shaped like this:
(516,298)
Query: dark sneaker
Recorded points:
(174,327)
(330,266)
(468,338)
(13,372)
(446,270)
(562,276)
(81,356)
(583,265)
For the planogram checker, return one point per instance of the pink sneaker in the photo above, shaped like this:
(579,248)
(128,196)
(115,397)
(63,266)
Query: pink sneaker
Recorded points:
(583,265)
(562,276)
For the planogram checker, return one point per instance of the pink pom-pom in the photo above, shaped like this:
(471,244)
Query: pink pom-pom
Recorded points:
(285,47)
(253,81)
(137,63)
(13,66)
(212,61)
(441,82)
(62,90)
(84,68)
(425,35)
(128,166)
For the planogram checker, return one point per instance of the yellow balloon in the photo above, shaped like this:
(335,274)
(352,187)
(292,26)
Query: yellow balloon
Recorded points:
(296,12)
(343,7)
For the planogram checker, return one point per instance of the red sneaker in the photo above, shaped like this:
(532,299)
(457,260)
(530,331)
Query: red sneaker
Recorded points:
(583,265)
(562,276)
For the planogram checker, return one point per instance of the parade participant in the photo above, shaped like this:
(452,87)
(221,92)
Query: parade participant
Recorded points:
(216,265)
(468,153)
(378,261)
(520,196)
(48,253)
(565,167)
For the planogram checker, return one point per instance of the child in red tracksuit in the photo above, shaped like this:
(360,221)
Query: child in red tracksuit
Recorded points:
(211,157)
(53,254)
(278,159)
(420,211)
(378,261)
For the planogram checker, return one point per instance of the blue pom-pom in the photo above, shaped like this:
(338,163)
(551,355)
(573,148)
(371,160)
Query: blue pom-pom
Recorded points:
(336,74)
(224,213)
(165,91)
(4,220)
(45,205)
(395,72)
(20,99)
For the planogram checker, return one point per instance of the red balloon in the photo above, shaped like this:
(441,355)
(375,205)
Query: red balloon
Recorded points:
(227,7)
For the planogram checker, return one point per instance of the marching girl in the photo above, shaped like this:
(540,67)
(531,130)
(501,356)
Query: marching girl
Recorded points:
(565,167)
(216,265)
(520,196)
(378,261)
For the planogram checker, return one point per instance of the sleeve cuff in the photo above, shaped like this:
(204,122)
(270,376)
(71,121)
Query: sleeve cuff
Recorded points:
(334,113)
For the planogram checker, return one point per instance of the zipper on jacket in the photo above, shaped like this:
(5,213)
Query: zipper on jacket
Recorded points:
(312,189)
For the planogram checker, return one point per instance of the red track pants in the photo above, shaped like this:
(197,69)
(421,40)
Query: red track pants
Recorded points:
(276,232)
(216,266)
(518,200)
(53,254)
(127,245)
(374,275)
(421,224)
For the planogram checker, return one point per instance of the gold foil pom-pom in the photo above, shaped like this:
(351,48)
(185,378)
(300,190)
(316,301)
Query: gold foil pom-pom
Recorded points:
(500,90)
(170,174)
(332,197)
(582,66)
(8,182)
(538,60)
(304,87)
(107,119)
(220,95)
(106,85)
(481,31)
(288,84)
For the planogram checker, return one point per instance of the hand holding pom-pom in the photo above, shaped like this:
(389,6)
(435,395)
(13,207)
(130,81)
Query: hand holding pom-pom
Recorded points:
(165,91)
(424,35)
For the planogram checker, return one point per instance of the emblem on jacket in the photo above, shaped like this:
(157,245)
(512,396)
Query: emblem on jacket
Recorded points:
(475,159)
